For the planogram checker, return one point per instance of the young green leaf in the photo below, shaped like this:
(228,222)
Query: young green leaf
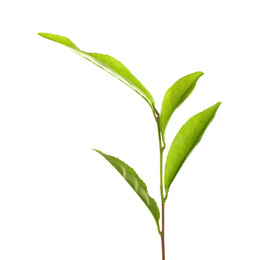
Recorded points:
(186,139)
(136,183)
(175,96)
(107,63)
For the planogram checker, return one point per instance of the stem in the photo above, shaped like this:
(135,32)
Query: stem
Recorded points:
(161,149)
(162,236)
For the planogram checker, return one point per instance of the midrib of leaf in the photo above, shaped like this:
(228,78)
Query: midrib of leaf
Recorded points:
(137,187)
(181,99)
(119,77)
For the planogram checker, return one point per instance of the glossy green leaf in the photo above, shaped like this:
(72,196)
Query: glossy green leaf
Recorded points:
(186,139)
(136,183)
(175,96)
(109,64)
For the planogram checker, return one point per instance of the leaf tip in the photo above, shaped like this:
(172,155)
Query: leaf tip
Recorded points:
(197,74)
(59,39)
(45,35)
(218,104)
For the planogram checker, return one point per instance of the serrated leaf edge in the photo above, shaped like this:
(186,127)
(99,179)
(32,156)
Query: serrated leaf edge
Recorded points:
(138,186)
(198,139)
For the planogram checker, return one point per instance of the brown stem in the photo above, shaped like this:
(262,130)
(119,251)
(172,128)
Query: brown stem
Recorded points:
(162,236)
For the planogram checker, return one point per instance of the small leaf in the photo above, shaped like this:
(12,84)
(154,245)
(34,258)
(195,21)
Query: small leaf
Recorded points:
(175,96)
(107,63)
(186,139)
(136,183)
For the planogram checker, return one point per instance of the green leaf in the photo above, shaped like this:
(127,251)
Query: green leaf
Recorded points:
(186,139)
(136,183)
(109,64)
(175,96)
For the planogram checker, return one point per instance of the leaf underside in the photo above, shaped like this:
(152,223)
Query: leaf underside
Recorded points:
(175,96)
(107,63)
(184,142)
(135,182)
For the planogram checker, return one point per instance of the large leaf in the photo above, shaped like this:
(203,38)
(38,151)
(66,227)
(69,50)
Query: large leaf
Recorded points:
(136,183)
(175,96)
(186,139)
(109,64)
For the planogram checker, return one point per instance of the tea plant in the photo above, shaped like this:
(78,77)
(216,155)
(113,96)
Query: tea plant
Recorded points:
(186,139)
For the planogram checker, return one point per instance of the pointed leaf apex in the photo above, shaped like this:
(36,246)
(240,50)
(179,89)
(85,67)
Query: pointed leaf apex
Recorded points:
(59,39)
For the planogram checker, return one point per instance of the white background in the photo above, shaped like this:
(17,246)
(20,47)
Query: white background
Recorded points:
(61,200)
